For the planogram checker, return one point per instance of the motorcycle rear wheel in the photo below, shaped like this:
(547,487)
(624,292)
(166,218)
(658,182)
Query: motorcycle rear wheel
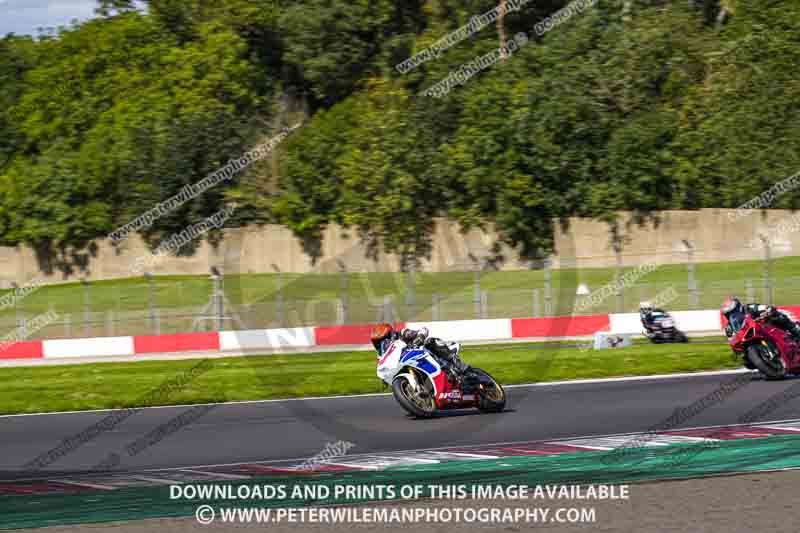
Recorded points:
(420,403)
(491,396)
(761,357)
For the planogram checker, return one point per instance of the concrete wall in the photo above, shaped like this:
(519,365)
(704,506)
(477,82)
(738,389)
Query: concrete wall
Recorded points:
(585,243)
(712,233)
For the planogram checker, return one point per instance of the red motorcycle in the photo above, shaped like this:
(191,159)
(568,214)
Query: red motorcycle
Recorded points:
(765,347)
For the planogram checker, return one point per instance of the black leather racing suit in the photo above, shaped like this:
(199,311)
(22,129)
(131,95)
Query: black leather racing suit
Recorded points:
(648,318)
(446,352)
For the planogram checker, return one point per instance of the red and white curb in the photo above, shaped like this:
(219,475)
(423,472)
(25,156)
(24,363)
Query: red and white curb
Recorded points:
(282,339)
(382,461)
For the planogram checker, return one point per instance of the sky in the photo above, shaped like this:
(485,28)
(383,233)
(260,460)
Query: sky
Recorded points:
(24,16)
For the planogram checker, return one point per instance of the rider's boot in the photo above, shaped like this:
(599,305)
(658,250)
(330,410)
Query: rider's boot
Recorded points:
(453,375)
(451,354)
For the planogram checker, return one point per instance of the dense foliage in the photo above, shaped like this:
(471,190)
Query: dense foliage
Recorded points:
(639,105)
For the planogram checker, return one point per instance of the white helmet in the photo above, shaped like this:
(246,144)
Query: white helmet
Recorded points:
(645,307)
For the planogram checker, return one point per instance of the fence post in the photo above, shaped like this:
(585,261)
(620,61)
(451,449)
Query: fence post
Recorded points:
(536,307)
(118,296)
(109,323)
(51,308)
(17,314)
(279,302)
(150,299)
(179,285)
(410,292)
(86,307)
(620,289)
(388,314)
(484,304)
(767,265)
(548,287)
(157,322)
(345,286)
(339,312)
(750,290)
(691,282)
(477,292)
(219,306)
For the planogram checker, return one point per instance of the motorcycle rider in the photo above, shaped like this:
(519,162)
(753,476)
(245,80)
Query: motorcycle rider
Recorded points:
(384,334)
(647,314)
(734,311)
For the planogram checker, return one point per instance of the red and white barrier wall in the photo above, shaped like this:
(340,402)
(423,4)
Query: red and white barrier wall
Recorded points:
(684,321)
(296,338)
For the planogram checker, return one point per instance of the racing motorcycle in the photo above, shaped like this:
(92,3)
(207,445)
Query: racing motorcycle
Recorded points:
(663,329)
(763,346)
(423,387)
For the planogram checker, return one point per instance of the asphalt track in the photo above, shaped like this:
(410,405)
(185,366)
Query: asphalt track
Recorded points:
(277,430)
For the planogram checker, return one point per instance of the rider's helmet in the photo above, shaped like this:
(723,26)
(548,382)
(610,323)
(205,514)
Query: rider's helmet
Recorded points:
(731,305)
(414,337)
(645,308)
(407,335)
(380,333)
(734,313)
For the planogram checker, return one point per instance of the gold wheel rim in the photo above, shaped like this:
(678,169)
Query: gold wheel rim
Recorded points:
(496,393)
(416,398)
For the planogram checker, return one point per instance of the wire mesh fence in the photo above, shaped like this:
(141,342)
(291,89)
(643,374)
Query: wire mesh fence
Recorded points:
(178,305)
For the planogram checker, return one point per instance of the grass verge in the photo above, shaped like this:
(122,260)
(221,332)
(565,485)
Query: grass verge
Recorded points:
(116,385)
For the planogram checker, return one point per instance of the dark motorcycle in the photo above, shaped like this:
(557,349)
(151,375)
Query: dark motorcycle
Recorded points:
(662,329)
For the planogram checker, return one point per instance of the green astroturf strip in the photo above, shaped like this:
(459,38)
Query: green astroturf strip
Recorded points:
(642,464)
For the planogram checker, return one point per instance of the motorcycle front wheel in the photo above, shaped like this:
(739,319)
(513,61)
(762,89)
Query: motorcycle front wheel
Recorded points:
(766,361)
(418,402)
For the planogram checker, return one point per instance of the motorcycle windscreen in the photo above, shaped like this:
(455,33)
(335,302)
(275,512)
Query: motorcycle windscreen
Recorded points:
(736,321)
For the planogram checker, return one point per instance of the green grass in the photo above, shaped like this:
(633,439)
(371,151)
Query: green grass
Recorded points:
(113,385)
(310,299)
